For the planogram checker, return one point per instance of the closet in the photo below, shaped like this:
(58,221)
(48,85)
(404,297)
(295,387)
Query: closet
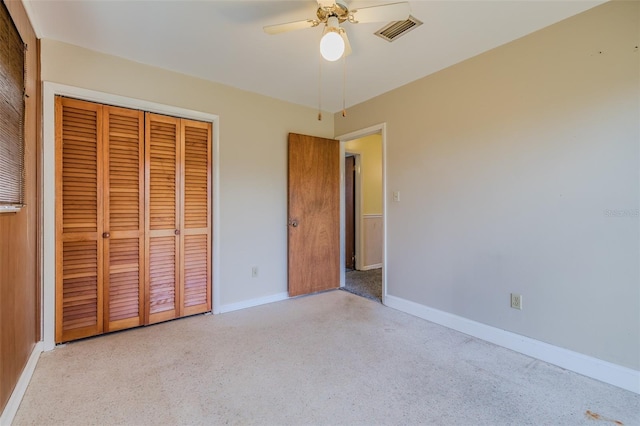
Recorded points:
(133,218)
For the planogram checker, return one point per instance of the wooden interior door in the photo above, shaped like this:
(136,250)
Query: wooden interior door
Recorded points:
(79,219)
(123,218)
(314,214)
(162,227)
(195,220)
(350,212)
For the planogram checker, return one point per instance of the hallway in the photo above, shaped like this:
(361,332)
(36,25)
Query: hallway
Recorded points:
(364,283)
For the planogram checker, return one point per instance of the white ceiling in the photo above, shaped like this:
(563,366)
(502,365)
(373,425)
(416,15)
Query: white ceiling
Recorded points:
(223,41)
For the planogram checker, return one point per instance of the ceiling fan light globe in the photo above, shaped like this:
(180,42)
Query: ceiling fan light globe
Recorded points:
(332,46)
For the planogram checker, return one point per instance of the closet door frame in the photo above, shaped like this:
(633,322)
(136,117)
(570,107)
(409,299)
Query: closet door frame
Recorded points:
(49,183)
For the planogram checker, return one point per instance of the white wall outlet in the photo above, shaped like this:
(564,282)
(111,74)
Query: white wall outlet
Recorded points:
(516,301)
(254,272)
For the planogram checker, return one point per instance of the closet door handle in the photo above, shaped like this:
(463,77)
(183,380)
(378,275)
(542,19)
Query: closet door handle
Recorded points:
(177,232)
(105,235)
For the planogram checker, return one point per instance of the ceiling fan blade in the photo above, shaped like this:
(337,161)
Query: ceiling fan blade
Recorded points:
(386,12)
(290,26)
(347,45)
(326,3)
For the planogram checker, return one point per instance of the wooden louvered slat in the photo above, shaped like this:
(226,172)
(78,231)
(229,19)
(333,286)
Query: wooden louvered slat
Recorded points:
(196,218)
(196,176)
(162,276)
(80,286)
(162,180)
(79,168)
(79,249)
(124,281)
(196,274)
(153,203)
(124,130)
(124,217)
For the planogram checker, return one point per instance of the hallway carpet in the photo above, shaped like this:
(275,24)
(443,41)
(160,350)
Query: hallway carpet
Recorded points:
(364,283)
(327,359)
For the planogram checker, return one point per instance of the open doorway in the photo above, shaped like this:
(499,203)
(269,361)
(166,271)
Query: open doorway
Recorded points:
(363,215)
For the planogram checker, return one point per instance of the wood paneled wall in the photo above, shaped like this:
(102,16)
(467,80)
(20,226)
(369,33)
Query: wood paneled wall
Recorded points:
(19,241)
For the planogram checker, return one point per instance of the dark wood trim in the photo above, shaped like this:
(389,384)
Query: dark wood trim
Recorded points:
(39,214)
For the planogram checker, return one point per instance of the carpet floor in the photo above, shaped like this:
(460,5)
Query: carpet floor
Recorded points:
(364,283)
(328,359)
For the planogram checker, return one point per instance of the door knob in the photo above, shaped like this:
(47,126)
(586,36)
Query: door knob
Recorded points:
(293,223)
(105,235)
(177,232)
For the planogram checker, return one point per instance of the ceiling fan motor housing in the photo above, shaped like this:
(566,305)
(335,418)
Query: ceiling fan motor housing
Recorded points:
(338,10)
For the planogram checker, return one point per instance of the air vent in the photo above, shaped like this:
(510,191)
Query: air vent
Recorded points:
(398,28)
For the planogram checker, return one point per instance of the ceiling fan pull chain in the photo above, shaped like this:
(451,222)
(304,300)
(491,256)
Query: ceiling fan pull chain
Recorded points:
(344,85)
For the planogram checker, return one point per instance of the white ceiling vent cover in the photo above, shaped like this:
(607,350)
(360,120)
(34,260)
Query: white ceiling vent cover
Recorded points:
(398,28)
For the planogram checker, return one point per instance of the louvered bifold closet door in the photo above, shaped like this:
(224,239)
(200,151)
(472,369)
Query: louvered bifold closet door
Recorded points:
(195,238)
(79,304)
(124,218)
(162,203)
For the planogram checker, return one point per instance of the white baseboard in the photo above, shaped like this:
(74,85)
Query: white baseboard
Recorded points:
(369,267)
(607,372)
(11,408)
(254,302)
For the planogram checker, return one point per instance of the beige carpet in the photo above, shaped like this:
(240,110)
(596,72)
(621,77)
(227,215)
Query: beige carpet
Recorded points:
(332,358)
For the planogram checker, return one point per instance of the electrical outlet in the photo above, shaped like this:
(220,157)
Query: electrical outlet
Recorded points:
(254,272)
(516,301)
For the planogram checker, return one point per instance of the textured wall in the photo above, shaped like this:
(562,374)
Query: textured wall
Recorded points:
(518,170)
(253,156)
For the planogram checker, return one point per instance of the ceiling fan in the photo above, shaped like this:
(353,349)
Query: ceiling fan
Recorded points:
(335,43)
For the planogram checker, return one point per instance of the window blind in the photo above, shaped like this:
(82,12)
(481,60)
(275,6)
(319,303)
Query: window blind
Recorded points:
(12,72)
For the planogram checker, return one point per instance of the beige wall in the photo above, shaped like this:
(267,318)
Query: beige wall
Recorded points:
(370,150)
(518,171)
(253,156)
